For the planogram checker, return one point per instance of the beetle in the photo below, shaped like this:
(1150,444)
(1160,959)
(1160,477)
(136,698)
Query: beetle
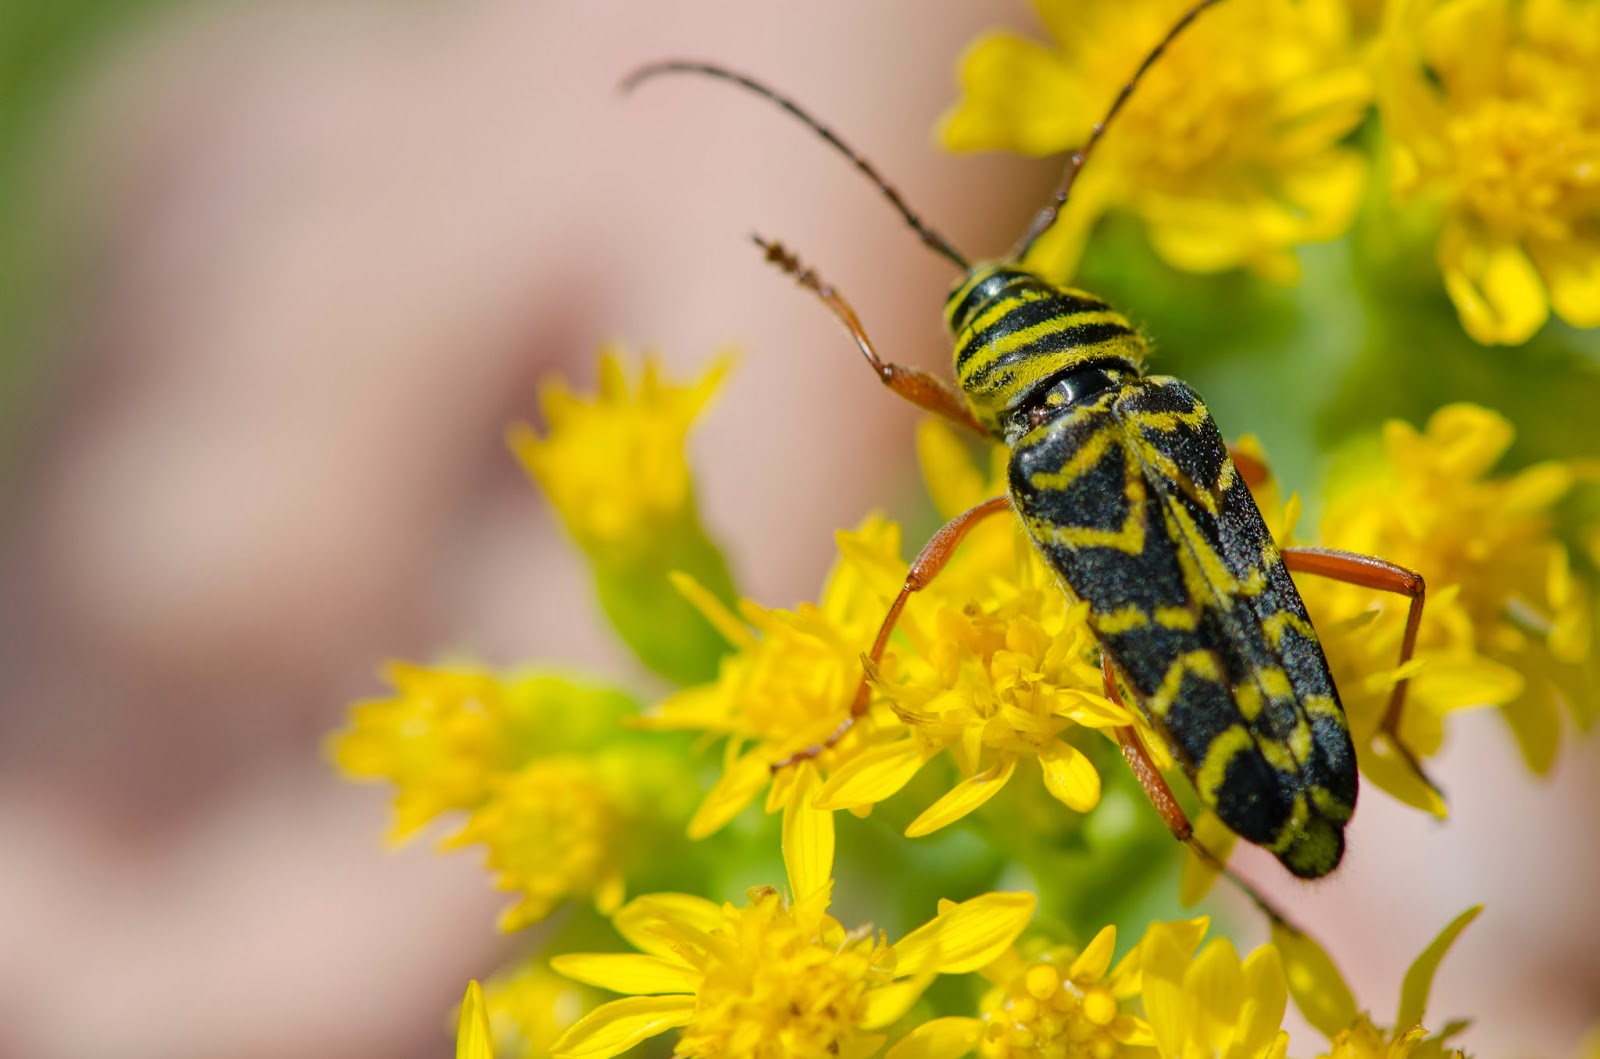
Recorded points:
(1124,484)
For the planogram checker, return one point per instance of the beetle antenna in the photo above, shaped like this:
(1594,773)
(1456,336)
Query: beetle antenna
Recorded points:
(930,238)
(1046,218)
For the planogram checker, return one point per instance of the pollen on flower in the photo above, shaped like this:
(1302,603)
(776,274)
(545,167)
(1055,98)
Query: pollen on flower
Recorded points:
(1229,150)
(778,989)
(1055,1010)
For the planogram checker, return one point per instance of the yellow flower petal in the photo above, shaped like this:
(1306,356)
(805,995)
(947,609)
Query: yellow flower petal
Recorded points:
(1535,721)
(1495,288)
(889,1003)
(473,1039)
(658,923)
(964,937)
(1013,89)
(807,836)
(1069,776)
(613,1028)
(1571,270)
(728,797)
(1268,996)
(1318,989)
(872,775)
(628,972)
(947,1038)
(1216,982)
(1168,1006)
(1095,959)
(1392,773)
(963,798)
(1419,977)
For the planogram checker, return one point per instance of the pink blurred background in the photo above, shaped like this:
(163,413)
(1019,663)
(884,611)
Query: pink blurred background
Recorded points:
(320,256)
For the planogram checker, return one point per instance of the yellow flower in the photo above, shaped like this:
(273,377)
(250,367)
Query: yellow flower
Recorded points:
(616,471)
(790,680)
(777,977)
(473,1040)
(1211,1006)
(553,829)
(439,739)
(556,818)
(1492,111)
(1056,1004)
(1228,148)
(1325,1000)
(1505,624)
(614,467)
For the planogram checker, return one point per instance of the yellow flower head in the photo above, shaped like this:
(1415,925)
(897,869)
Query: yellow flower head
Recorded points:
(1212,1006)
(439,739)
(514,753)
(1227,149)
(777,977)
(1493,115)
(791,678)
(614,466)
(553,829)
(1504,624)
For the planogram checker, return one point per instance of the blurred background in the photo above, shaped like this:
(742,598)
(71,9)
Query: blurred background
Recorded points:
(275,276)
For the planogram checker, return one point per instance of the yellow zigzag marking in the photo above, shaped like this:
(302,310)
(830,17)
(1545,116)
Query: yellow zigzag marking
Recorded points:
(1278,624)
(1200,663)
(1223,749)
(1110,623)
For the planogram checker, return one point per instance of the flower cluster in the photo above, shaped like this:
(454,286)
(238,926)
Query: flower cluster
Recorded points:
(1232,151)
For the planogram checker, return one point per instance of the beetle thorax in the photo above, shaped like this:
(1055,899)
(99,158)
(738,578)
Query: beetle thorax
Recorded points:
(1015,333)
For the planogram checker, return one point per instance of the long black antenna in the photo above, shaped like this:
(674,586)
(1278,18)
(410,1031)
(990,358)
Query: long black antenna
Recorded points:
(932,239)
(1046,218)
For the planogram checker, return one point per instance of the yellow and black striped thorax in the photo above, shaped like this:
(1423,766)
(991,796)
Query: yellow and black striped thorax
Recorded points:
(1015,333)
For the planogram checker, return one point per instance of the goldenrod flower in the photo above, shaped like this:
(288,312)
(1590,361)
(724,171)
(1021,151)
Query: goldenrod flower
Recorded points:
(616,471)
(1212,1006)
(552,829)
(1228,150)
(558,818)
(1505,623)
(439,739)
(473,1040)
(614,467)
(790,680)
(777,977)
(1492,111)
(1056,1004)
(1325,1000)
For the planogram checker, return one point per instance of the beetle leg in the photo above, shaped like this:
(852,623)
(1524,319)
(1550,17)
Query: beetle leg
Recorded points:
(927,565)
(1371,572)
(921,389)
